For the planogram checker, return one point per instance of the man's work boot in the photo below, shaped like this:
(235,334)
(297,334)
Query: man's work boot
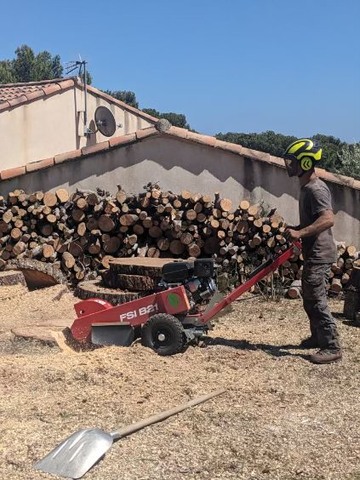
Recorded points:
(326,356)
(310,342)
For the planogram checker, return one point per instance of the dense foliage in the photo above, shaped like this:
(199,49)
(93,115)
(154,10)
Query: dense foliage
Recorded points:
(338,156)
(269,142)
(125,96)
(350,160)
(28,67)
(176,119)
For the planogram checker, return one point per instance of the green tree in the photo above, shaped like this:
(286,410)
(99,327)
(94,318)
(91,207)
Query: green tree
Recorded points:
(276,143)
(28,67)
(331,148)
(349,160)
(6,72)
(46,67)
(23,65)
(268,142)
(125,96)
(176,119)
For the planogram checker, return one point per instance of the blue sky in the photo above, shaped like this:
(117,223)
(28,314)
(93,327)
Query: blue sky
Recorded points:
(292,66)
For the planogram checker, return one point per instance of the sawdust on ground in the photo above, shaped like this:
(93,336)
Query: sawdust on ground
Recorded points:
(281,417)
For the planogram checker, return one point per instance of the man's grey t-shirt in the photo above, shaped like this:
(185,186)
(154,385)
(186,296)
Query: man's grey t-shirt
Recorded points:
(315,197)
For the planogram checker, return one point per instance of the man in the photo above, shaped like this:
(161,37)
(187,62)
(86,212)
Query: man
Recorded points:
(318,248)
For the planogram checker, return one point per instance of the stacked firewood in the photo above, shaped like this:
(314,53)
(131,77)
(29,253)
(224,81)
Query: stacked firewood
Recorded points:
(79,233)
(348,258)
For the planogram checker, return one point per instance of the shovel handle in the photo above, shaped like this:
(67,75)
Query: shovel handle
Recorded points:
(159,417)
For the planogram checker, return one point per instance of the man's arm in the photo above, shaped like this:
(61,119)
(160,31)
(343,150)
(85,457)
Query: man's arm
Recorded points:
(324,221)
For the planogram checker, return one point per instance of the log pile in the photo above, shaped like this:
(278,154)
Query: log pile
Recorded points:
(348,258)
(79,234)
(352,295)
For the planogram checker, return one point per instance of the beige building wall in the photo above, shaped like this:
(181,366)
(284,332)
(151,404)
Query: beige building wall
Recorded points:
(178,165)
(55,124)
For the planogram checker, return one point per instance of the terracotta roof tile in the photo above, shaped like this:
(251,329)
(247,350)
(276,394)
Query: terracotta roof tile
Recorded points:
(66,156)
(33,90)
(39,165)
(204,139)
(277,161)
(4,105)
(10,91)
(250,153)
(50,89)
(230,147)
(98,147)
(67,83)
(34,95)
(356,184)
(335,178)
(178,132)
(19,93)
(12,172)
(146,132)
(17,100)
(123,140)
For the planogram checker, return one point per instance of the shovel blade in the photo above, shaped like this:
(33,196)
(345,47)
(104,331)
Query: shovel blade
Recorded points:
(77,454)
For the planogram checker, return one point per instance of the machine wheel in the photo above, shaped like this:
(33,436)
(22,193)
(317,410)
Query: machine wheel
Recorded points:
(163,333)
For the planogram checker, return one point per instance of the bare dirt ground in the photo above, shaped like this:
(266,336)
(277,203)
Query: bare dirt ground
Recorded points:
(281,417)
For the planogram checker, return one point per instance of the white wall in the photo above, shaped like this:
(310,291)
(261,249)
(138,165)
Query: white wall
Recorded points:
(55,124)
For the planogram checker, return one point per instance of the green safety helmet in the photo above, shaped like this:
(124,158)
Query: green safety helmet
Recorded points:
(300,156)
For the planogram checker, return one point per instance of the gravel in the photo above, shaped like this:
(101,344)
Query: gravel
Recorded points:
(280,418)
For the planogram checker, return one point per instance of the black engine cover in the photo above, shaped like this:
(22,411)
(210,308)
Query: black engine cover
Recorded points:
(177,272)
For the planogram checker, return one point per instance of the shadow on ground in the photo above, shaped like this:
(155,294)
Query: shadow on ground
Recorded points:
(345,321)
(274,350)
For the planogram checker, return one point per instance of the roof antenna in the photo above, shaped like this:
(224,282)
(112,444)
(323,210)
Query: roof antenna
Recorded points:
(80,65)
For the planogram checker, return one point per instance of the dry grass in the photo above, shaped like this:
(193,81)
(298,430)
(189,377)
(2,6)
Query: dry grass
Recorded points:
(281,418)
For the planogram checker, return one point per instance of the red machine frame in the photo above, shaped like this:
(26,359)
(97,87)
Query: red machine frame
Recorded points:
(173,301)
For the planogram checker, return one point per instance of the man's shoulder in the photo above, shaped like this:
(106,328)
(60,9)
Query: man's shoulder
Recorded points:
(317,185)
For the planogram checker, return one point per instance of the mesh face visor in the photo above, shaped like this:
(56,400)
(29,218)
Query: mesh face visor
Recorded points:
(292,166)
(288,162)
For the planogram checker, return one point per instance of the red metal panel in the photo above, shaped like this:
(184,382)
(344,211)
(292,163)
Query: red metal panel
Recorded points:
(136,312)
(92,305)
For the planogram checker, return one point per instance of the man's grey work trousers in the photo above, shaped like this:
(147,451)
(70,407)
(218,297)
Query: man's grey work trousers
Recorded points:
(322,323)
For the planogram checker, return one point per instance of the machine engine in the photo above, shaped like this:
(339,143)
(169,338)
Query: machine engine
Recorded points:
(197,277)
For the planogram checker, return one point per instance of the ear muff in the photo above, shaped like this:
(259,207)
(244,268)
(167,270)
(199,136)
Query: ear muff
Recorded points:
(306,164)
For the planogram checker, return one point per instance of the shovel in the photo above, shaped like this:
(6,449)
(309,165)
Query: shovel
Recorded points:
(83,449)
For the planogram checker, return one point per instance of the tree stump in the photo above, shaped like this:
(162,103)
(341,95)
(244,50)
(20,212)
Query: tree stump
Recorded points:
(37,274)
(135,283)
(10,277)
(96,289)
(147,266)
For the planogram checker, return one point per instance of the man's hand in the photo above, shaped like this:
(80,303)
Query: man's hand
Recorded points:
(291,234)
(324,221)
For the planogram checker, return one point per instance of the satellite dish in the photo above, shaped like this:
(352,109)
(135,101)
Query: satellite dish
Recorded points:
(105,121)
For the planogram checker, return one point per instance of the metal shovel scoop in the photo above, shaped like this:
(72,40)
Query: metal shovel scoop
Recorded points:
(84,448)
